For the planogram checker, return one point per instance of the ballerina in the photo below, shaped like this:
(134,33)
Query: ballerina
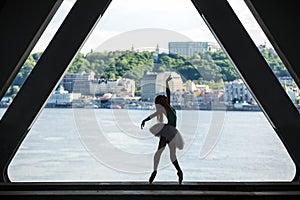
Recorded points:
(167,133)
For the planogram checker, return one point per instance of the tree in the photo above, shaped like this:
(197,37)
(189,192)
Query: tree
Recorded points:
(203,67)
(24,71)
(80,64)
(228,72)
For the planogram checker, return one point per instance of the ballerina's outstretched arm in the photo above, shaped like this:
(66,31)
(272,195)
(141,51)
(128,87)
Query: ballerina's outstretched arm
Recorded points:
(168,92)
(148,118)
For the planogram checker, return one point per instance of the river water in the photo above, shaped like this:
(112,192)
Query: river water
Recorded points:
(108,145)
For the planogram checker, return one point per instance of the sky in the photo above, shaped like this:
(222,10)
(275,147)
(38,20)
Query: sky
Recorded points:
(125,17)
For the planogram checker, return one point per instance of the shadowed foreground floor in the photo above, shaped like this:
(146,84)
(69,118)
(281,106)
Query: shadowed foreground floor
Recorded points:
(142,190)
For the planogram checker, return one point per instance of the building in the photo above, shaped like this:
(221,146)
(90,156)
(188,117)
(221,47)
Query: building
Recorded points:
(86,84)
(148,86)
(203,88)
(190,86)
(79,83)
(236,91)
(62,97)
(290,88)
(190,48)
(122,87)
(153,84)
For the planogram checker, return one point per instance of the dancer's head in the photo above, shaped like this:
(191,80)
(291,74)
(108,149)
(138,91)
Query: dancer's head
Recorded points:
(161,104)
(161,100)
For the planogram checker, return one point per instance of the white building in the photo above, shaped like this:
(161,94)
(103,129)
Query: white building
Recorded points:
(153,84)
(290,88)
(237,91)
(190,86)
(86,84)
(63,97)
(190,48)
(123,87)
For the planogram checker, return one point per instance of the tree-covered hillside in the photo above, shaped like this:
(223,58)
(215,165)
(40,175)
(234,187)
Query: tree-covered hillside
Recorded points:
(201,67)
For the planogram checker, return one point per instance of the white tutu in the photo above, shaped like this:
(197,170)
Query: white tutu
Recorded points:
(169,132)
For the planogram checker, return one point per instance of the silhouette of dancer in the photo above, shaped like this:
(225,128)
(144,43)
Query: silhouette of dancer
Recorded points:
(168,134)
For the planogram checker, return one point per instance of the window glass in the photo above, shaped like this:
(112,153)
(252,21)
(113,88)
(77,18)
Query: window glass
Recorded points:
(90,128)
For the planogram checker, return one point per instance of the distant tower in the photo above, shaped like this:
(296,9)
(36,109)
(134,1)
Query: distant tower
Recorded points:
(132,48)
(155,55)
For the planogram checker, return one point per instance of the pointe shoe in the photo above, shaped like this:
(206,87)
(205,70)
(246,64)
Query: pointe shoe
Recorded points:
(152,176)
(180,177)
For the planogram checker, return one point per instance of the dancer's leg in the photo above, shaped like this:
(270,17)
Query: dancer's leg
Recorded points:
(157,155)
(172,147)
(161,147)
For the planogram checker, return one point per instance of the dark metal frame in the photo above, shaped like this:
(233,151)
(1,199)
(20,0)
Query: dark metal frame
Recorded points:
(278,24)
(21,24)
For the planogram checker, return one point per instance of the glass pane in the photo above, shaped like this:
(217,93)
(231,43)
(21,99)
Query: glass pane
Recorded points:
(90,129)
(266,49)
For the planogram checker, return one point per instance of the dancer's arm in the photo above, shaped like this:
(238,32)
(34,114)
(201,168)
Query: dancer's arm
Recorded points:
(168,89)
(148,118)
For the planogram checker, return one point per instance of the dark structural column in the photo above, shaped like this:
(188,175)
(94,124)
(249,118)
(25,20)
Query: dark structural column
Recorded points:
(280,22)
(255,72)
(47,73)
(22,23)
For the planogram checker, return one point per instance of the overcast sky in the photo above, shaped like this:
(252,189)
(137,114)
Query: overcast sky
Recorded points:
(178,16)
